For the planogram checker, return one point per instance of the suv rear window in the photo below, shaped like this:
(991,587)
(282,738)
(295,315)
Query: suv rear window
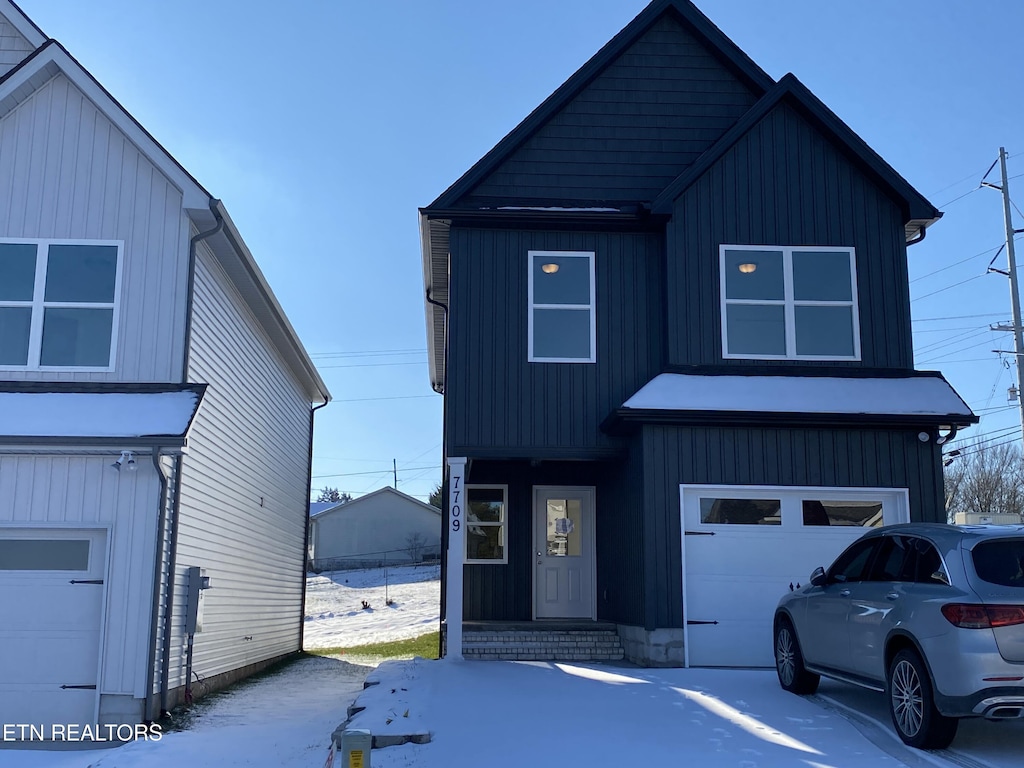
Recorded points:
(1000,562)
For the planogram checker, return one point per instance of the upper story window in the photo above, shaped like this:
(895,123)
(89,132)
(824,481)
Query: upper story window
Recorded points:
(785,303)
(562,323)
(58,304)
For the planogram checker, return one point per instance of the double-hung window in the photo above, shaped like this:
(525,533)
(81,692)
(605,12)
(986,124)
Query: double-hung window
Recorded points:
(562,323)
(486,518)
(58,304)
(789,303)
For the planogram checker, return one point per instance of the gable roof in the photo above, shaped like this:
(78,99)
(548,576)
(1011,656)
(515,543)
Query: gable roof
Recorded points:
(51,59)
(21,22)
(696,22)
(918,212)
(387,490)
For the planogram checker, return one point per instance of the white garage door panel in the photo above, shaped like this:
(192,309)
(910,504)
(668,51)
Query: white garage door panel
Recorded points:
(51,634)
(734,578)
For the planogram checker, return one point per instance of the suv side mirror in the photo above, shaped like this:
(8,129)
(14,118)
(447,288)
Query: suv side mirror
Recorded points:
(818,578)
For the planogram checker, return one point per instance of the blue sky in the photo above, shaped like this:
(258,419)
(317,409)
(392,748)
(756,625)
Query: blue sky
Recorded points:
(324,125)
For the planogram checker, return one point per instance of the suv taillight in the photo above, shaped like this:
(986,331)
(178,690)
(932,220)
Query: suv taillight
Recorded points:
(968,616)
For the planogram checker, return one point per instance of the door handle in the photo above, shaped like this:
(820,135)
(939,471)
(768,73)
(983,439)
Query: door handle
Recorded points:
(893,596)
(844,593)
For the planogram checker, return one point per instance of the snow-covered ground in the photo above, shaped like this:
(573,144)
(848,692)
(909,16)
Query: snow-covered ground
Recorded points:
(335,616)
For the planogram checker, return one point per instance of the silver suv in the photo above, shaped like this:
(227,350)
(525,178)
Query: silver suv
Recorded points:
(933,615)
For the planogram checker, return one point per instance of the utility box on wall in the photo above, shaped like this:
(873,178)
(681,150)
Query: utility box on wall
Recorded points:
(198,583)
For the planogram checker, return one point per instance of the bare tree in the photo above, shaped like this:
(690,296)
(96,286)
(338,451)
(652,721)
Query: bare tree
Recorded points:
(333,494)
(985,480)
(414,543)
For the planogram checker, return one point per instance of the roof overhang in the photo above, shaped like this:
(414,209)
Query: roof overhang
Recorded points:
(922,399)
(97,415)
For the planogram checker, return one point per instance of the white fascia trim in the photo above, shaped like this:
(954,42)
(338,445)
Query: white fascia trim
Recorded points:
(22,23)
(193,195)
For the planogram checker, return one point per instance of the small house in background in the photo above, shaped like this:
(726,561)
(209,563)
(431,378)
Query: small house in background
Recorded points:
(383,527)
(155,416)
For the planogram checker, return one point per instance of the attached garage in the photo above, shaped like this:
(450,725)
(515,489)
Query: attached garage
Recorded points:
(52,598)
(742,548)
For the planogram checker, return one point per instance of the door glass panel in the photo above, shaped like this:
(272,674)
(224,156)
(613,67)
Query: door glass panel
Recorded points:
(924,564)
(866,514)
(891,560)
(44,554)
(852,565)
(741,511)
(564,519)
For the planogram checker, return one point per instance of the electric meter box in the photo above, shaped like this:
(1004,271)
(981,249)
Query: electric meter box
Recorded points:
(354,748)
(198,583)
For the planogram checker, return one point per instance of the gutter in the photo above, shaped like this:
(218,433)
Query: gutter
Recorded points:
(309,524)
(444,478)
(148,714)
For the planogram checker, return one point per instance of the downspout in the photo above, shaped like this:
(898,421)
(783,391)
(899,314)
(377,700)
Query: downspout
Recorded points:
(149,715)
(922,232)
(305,540)
(444,479)
(172,554)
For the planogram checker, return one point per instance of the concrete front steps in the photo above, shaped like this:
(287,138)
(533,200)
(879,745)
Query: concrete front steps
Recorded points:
(541,641)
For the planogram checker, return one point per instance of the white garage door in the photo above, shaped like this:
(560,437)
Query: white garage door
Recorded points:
(744,546)
(51,601)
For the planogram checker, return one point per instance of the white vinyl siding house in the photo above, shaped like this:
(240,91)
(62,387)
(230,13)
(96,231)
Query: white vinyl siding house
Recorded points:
(225,488)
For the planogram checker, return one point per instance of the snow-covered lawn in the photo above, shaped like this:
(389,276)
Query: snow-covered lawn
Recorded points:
(335,616)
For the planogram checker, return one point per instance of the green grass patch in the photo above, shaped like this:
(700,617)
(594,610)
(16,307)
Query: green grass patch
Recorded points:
(424,646)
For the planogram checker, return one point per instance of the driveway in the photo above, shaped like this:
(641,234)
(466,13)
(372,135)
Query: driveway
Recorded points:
(553,714)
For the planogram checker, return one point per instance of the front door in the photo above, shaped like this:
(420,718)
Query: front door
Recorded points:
(565,573)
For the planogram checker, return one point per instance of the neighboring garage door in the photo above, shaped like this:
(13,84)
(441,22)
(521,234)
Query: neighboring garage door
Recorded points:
(51,601)
(744,546)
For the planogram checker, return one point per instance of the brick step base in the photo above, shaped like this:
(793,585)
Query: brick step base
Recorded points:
(523,645)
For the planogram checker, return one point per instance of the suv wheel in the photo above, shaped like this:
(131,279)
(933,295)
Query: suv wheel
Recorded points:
(912,704)
(789,661)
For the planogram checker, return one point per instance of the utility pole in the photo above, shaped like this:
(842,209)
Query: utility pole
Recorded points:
(1018,331)
(394,462)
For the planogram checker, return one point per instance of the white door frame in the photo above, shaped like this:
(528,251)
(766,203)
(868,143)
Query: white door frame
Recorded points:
(901,514)
(590,537)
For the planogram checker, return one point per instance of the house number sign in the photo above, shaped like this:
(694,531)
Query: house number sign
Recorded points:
(455,511)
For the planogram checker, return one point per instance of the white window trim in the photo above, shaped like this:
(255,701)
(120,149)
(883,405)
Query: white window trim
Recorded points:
(502,524)
(38,305)
(789,302)
(591,307)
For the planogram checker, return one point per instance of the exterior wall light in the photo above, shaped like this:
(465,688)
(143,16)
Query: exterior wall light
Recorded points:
(127,459)
(549,269)
(747,267)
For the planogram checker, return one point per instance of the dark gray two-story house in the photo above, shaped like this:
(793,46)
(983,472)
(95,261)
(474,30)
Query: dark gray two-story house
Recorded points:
(670,317)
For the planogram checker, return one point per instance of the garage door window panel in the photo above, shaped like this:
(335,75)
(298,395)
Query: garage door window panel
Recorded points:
(718,511)
(44,554)
(832,512)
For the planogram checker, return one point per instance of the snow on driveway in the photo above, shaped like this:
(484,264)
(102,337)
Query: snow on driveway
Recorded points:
(284,719)
(336,618)
(542,714)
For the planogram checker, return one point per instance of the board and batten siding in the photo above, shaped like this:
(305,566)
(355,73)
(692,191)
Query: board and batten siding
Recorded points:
(724,455)
(783,184)
(67,172)
(243,491)
(13,46)
(83,491)
(497,399)
(640,123)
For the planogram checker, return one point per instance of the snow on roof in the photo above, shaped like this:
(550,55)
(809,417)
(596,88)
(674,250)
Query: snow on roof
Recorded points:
(316,507)
(914,395)
(97,414)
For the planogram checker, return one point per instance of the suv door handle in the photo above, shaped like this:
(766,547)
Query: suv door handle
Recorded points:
(844,593)
(893,596)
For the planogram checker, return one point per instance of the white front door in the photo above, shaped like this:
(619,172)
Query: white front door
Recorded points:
(51,599)
(743,547)
(565,563)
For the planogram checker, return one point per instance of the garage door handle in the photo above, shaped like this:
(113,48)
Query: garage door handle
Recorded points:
(78,687)
(86,581)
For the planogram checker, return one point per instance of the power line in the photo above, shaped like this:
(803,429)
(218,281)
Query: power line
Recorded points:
(947,288)
(369,365)
(961,197)
(961,181)
(369,399)
(372,352)
(956,317)
(958,263)
(381,472)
